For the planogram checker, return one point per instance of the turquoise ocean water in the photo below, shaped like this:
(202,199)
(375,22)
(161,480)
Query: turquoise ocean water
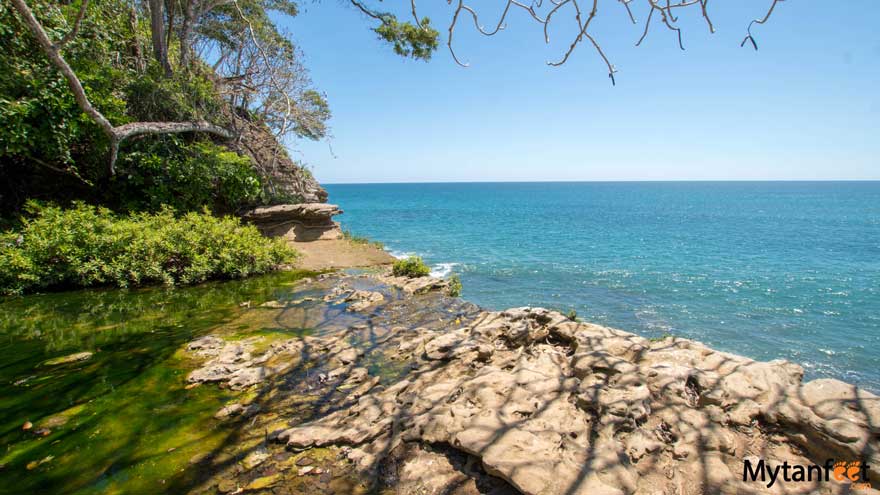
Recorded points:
(764,269)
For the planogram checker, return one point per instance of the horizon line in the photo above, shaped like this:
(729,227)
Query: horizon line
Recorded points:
(594,181)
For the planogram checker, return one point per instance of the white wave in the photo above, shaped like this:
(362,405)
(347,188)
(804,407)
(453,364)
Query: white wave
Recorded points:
(401,255)
(441,270)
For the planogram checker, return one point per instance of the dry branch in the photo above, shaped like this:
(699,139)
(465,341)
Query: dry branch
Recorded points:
(665,9)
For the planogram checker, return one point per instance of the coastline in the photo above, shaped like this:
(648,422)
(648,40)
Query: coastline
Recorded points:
(551,405)
(543,402)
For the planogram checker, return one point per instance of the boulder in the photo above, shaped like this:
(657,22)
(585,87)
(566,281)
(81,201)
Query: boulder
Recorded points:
(302,222)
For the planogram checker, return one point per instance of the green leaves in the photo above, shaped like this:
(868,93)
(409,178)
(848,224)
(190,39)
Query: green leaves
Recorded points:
(185,176)
(411,267)
(408,40)
(88,246)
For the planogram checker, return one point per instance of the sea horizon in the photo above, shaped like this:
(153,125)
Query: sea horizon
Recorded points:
(766,269)
(601,181)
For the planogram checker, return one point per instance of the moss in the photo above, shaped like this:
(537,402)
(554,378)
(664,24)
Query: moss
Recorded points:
(124,420)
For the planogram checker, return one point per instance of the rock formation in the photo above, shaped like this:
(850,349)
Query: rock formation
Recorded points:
(427,386)
(554,406)
(303,222)
(282,178)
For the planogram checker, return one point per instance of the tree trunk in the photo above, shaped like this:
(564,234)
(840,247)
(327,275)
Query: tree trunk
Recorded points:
(157,31)
(186,33)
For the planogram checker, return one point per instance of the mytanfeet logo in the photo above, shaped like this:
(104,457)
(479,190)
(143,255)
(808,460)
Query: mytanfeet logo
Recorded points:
(854,473)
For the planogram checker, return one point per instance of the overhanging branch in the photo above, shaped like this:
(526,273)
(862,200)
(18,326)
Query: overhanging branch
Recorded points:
(117,134)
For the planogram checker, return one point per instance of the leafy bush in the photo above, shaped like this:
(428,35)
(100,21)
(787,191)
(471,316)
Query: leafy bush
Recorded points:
(572,315)
(87,246)
(185,176)
(411,267)
(454,286)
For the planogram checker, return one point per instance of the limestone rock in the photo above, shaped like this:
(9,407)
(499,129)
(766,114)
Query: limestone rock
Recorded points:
(361,300)
(301,222)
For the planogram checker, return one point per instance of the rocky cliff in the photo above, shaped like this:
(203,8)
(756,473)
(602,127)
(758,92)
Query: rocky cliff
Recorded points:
(284,180)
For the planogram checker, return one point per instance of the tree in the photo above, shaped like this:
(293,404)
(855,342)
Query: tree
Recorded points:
(257,70)
(116,134)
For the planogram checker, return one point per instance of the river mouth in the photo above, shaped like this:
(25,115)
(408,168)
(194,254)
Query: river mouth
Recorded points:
(95,396)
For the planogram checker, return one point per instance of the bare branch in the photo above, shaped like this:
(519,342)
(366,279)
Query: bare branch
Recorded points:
(665,8)
(764,19)
(451,30)
(55,57)
(270,69)
(647,26)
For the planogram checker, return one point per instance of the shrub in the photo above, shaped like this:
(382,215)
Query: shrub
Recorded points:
(411,267)
(454,286)
(572,315)
(185,176)
(87,246)
(357,239)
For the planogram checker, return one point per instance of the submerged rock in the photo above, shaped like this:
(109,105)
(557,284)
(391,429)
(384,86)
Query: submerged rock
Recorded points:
(232,363)
(70,358)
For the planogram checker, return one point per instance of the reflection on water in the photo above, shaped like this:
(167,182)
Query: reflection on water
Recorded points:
(121,420)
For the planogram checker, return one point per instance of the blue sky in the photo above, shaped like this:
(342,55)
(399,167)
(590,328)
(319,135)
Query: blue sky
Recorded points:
(805,106)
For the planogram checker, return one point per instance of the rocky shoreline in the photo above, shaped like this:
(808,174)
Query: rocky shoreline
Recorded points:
(449,398)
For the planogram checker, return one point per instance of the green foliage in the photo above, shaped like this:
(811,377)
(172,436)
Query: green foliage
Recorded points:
(664,336)
(411,267)
(41,121)
(356,239)
(572,315)
(185,176)
(88,246)
(45,132)
(408,39)
(182,97)
(454,286)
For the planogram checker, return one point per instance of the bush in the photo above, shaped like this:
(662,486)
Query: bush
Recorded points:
(185,176)
(411,267)
(454,286)
(87,246)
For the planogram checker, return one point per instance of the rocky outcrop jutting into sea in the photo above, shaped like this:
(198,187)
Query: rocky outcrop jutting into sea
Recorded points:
(555,406)
(302,222)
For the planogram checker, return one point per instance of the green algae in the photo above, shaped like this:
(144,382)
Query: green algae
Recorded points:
(124,420)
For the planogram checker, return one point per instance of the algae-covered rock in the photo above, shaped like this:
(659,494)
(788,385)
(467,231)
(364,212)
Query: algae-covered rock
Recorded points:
(70,358)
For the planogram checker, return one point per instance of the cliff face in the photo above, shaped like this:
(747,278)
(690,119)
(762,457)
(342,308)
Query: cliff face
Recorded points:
(284,181)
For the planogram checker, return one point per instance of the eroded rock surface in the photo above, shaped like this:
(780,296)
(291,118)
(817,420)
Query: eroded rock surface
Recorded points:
(232,362)
(417,392)
(301,222)
(555,406)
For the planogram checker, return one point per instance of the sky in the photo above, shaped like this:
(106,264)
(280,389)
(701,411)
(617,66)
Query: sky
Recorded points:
(805,106)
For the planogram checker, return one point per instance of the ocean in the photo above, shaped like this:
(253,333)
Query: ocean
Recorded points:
(763,269)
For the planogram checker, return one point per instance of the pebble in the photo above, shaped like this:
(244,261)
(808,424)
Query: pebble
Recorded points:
(305,461)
